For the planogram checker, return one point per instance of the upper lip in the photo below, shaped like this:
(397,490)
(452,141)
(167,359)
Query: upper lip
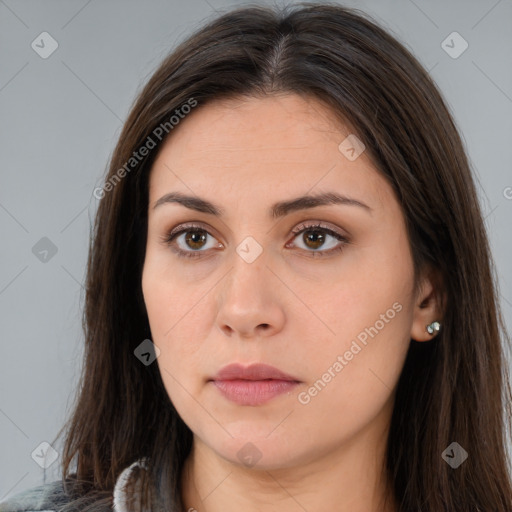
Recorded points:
(257,371)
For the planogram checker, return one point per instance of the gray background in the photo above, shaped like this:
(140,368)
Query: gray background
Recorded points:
(60,118)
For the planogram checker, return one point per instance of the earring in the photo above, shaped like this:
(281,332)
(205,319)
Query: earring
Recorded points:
(433,328)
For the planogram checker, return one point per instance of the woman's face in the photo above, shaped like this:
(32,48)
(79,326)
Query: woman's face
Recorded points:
(253,291)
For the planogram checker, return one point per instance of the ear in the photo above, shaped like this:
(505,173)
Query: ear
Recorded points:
(428,305)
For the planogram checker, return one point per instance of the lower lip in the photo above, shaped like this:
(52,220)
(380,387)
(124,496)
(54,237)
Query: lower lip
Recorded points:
(253,392)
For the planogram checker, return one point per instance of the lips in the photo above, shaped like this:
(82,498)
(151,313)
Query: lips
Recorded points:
(252,385)
(257,371)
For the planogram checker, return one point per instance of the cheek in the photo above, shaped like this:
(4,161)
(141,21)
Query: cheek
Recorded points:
(351,380)
(173,320)
(179,318)
(368,305)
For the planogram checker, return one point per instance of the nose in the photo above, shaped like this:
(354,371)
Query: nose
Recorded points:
(249,301)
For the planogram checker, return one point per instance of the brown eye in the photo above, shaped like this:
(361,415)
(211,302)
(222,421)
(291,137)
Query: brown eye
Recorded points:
(315,237)
(195,238)
(189,241)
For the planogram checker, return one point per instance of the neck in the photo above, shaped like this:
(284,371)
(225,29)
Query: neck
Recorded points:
(350,478)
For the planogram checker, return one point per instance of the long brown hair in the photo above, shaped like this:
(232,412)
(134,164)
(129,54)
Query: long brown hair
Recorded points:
(455,388)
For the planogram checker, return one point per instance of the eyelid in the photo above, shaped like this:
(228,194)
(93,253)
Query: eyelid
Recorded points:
(187,225)
(300,226)
(310,224)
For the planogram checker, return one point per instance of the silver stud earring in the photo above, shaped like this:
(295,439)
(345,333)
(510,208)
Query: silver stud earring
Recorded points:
(433,328)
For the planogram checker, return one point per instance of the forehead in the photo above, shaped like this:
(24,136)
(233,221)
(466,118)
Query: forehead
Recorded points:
(284,123)
(254,146)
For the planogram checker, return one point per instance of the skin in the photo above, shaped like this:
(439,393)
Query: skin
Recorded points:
(286,308)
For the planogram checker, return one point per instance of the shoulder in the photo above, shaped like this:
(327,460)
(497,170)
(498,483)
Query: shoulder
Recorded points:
(52,497)
(47,497)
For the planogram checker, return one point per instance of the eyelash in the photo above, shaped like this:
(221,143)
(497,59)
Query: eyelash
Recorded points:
(169,238)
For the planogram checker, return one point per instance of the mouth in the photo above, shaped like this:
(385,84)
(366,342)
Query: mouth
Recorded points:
(252,385)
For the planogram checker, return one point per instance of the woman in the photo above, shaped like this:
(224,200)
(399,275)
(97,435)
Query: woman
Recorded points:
(290,298)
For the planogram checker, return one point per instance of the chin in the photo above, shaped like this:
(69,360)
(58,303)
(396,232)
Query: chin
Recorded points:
(258,452)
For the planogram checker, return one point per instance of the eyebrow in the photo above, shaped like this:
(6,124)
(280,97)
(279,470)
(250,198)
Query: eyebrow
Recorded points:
(277,210)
